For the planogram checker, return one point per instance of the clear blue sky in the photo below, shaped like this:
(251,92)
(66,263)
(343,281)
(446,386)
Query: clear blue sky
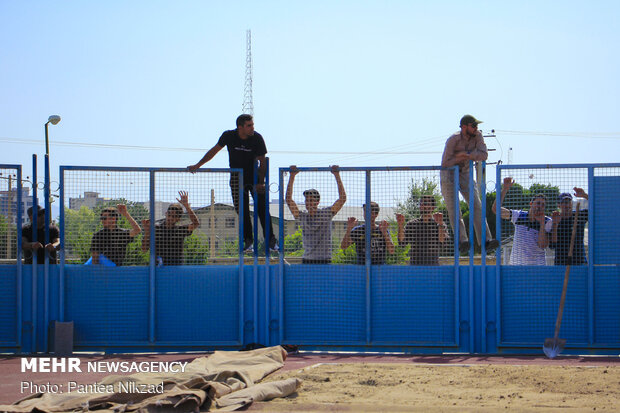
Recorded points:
(333,76)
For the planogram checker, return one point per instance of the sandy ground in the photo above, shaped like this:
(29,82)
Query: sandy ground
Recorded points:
(369,387)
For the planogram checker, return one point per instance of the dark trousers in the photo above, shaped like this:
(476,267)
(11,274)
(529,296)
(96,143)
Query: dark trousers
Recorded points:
(259,204)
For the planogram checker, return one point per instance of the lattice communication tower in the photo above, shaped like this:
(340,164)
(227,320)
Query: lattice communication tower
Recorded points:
(248,103)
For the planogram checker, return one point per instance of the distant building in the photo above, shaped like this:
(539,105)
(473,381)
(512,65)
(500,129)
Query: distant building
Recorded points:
(8,205)
(92,199)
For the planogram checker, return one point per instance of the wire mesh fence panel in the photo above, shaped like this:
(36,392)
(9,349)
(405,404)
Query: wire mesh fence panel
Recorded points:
(9,187)
(534,199)
(315,203)
(103,210)
(410,203)
(195,219)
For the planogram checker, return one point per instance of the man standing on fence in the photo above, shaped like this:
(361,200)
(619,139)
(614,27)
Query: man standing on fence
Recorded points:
(245,146)
(316,224)
(462,147)
(30,248)
(380,240)
(170,237)
(425,235)
(111,241)
(531,228)
(563,227)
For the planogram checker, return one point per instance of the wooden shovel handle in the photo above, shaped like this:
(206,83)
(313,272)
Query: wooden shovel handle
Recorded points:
(558,320)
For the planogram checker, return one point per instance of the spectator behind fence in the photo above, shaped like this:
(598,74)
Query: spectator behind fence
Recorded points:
(316,224)
(529,243)
(462,147)
(380,241)
(170,237)
(111,241)
(28,245)
(563,227)
(244,147)
(425,235)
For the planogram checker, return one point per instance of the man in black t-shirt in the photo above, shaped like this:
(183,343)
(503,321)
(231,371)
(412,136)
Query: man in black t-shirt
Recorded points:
(112,241)
(170,237)
(425,235)
(29,245)
(244,147)
(562,229)
(380,242)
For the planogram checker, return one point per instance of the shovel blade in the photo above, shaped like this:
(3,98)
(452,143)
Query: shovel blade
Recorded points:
(553,346)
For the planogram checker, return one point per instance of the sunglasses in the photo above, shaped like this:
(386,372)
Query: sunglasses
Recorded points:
(107,216)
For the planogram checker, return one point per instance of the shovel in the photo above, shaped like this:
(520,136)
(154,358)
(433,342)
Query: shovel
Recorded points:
(554,346)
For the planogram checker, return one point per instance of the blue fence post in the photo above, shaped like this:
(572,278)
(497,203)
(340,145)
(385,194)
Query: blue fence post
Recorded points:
(35,300)
(46,259)
(472,237)
(591,226)
(498,254)
(61,250)
(367,217)
(457,259)
(255,244)
(281,260)
(268,235)
(18,255)
(483,256)
(240,216)
(152,257)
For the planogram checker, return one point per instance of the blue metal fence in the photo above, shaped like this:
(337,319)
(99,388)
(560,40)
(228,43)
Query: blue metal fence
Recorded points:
(458,307)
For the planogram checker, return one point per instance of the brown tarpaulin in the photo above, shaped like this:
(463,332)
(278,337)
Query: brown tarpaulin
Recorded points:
(225,380)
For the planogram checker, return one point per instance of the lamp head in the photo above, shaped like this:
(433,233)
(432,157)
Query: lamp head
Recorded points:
(54,119)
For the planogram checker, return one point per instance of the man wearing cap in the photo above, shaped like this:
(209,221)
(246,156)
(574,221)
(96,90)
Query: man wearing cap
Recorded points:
(380,240)
(111,241)
(562,229)
(245,146)
(170,237)
(29,245)
(531,228)
(425,235)
(462,147)
(315,223)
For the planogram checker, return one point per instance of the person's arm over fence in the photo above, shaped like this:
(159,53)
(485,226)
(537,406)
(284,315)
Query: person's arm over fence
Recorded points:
(346,240)
(292,206)
(505,212)
(342,195)
(206,158)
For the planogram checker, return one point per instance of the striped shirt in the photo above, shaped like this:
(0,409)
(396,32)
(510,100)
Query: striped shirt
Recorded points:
(525,249)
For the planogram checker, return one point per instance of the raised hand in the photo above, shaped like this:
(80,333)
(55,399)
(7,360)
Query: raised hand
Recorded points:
(400,218)
(122,209)
(351,222)
(294,171)
(383,226)
(556,216)
(580,193)
(193,168)
(335,169)
(438,217)
(146,224)
(183,198)
(508,182)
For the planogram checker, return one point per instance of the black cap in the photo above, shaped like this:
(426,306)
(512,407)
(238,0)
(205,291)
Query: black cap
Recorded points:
(312,192)
(469,119)
(40,210)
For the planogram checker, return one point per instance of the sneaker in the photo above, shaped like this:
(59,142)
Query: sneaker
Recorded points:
(273,245)
(491,245)
(248,247)
(464,247)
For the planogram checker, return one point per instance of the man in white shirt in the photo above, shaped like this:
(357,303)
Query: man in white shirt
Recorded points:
(531,229)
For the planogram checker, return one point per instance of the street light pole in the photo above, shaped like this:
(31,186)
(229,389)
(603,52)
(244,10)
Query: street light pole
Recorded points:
(54,119)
